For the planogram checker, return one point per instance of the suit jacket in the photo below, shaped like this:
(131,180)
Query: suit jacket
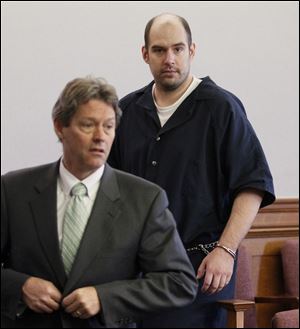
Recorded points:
(130,251)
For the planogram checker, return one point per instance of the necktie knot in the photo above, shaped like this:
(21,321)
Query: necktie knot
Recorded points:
(79,190)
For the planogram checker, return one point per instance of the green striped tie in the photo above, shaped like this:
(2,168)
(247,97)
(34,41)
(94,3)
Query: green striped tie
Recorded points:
(75,220)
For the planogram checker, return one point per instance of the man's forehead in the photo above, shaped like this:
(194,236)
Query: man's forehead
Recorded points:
(167,34)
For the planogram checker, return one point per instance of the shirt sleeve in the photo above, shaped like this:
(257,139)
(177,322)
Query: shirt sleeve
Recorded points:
(242,158)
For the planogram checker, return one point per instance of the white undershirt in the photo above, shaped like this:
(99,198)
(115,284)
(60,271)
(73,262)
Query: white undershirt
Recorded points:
(65,182)
(165,112)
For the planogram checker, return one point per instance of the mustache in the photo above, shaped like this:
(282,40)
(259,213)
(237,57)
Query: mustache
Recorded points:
(169,69)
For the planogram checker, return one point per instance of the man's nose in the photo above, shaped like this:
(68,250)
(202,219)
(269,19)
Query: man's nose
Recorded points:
(170,57)
(98,133)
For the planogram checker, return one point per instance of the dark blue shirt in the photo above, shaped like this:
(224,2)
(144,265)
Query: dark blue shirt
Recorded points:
(204,155)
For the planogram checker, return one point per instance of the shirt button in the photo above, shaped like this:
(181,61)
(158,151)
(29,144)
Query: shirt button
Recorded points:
(158,139)
(154,163)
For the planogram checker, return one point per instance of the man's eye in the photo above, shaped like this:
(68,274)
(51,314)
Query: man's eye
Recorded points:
(87,125)
(179,49)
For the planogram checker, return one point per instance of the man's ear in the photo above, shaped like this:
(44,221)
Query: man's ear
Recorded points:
(145,54)
(192,50)
(58,127)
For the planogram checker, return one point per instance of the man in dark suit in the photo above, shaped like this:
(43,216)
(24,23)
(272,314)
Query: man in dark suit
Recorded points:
(125,261)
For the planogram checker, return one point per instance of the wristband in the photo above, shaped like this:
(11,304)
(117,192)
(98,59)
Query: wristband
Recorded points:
(228,250)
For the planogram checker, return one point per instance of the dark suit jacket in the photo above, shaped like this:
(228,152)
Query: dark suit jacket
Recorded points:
(130,231)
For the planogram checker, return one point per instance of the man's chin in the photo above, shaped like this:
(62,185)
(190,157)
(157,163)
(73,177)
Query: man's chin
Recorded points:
(96,164)
(170,84)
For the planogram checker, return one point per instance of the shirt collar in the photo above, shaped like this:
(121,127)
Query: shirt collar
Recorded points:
(192,86)
(205,90)
(67,180)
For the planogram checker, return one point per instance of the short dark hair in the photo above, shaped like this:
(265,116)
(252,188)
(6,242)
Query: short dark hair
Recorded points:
(81,90)
(184,23)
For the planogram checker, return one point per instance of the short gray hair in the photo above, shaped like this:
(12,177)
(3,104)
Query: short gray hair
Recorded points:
(81,90)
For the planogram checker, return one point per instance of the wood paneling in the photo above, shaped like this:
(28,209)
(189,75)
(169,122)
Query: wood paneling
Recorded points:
(272,226)
(279,219)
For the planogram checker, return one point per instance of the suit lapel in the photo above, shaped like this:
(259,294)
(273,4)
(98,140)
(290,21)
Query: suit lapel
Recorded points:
(99,228)
(45,217)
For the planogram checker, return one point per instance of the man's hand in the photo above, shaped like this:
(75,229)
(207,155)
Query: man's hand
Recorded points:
(82,303)
(41,296)
(217,269)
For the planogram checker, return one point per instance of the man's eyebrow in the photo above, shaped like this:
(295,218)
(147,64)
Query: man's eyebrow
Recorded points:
(110,119)
(179,44)
(157,46)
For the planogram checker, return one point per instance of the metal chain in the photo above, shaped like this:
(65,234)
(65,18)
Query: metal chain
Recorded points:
(203,247)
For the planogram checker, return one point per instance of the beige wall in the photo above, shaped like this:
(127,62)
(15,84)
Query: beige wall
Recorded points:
(252,49)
